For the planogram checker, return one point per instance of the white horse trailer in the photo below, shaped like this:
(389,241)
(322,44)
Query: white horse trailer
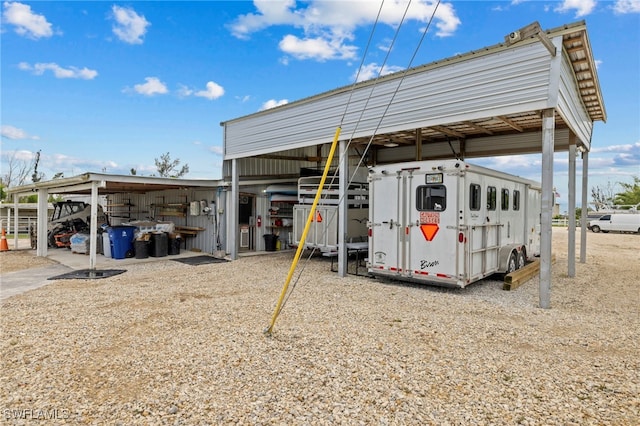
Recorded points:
(323,234)
(450,223)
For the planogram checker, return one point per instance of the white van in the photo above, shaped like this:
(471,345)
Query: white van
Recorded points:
(620,222)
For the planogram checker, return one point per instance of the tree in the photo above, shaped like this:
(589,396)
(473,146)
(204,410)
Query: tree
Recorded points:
(602,196)
(36,176)
(17,171)
(168,168)
(630,194)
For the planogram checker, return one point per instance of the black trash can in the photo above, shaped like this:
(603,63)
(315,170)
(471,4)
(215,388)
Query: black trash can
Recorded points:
(159,244)
(270,241)
(141,248)
(174,245)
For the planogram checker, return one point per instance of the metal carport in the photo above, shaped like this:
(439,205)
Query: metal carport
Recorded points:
(536,92)
(94,184)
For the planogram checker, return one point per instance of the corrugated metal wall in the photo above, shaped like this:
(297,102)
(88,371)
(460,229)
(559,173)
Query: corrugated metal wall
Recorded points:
(522,143)
(123,208)
(570,105)
(505,82)
(274,169)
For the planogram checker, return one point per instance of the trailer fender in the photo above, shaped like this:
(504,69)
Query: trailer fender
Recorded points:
(505,254)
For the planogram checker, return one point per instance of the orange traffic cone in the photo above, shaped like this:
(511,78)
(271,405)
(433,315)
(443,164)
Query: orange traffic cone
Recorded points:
(4,246)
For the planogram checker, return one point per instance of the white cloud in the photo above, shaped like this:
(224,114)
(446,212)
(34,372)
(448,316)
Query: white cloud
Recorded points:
(617,148)
(272,103)
(129,26)
(372,70)
(216,150)
(153,86)
(327,26)
(26,22)
(213,91)
(14,133)
(582,7)
(21,155)
(184,91)
(317,48)
(59,72)
(65,163)
(627,6)
(628,156)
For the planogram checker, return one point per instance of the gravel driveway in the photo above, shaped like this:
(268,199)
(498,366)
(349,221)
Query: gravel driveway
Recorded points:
(168,343)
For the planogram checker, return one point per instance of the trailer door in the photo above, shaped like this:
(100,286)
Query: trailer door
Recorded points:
(386,199)
(413,231)
(432,241)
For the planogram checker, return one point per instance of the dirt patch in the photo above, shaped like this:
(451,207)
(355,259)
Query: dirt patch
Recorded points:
(17,260)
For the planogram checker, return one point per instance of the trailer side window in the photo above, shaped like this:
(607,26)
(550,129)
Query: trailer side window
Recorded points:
(431,198)
(475,196)
(504,201)
(516,200)
(492,195)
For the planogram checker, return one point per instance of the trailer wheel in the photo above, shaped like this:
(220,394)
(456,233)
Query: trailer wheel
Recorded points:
(521,259)
(595,228)
(512,265)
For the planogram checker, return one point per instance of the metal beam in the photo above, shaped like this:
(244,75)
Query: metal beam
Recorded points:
(43,197)
(15,221)
(232,211)
(546,216)
(93,226)
(585,206)
(79,187)
(509,123)
(290,158)
(477,127)
(343,177)
(447,131)
(571,249)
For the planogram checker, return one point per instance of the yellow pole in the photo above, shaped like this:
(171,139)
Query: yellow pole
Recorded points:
(303,238)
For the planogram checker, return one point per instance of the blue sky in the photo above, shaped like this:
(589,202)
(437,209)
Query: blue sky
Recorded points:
(109,86)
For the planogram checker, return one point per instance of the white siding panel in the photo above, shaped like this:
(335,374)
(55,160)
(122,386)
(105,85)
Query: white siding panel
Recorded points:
(570,105)
(509,81)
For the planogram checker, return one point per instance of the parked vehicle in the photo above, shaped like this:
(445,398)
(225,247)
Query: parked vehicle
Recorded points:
(69,217)
(619,222)
(450,223)
(323,234)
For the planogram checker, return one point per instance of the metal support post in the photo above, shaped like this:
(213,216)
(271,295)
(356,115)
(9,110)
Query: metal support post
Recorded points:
(546,216)
(571,249)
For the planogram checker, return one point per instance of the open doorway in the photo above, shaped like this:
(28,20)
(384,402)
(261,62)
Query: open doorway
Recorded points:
(246,222)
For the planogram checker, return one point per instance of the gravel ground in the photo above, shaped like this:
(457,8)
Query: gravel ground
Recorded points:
(168,343)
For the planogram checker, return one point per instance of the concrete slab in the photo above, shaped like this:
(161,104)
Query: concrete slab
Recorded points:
(13,283)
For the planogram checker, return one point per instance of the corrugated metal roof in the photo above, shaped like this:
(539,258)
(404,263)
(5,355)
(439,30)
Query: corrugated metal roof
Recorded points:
(113,184)
(501,95)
